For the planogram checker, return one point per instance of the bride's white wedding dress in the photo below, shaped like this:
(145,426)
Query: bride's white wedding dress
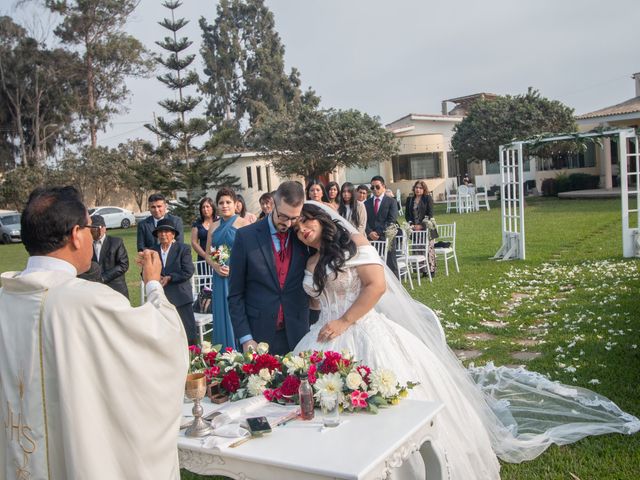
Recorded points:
(489,412)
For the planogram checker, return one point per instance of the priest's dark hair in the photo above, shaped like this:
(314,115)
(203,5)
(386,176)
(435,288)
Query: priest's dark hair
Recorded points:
(49,217)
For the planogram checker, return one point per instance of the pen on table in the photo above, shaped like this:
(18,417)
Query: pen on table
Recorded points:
(240,442)
(292,416)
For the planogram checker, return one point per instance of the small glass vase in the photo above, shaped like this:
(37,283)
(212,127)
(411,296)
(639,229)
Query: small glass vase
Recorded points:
(330,407)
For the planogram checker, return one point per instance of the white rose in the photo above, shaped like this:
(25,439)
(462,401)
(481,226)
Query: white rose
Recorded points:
(256,385)
(206,347)
(354,381)
(263,348)
(265,374)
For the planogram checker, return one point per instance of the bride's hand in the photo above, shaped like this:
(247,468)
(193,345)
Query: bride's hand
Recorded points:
(333,329)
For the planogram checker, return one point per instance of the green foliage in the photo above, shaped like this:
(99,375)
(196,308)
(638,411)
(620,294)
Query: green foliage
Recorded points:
(563,183)
(500,121)
(109,55)
(244,65)
(549,187)
(18,183)
(313,142)
(38,96)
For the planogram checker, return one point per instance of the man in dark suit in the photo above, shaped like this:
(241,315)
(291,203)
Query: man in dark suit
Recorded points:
(382,211)
(158,208)
(177,270)
(111,254)
(266,300)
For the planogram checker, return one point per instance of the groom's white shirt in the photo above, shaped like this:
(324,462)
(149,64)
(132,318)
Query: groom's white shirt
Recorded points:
(91,387)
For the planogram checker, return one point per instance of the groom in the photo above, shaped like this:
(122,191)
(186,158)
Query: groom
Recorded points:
(266,300)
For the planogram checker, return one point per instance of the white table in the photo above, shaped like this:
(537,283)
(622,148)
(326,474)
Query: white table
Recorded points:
(363,447)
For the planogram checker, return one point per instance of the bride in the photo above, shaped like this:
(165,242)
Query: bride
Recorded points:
(489,411)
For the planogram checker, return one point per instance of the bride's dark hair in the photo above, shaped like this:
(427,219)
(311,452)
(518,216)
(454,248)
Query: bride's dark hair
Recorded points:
(336,246)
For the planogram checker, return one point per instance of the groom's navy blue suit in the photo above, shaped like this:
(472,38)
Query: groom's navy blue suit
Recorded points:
(255,295)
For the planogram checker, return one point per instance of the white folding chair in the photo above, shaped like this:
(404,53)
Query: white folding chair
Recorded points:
(381,248)
(419,253)
(399,200)
(447,233)
(482,200)
(202,278)
(402,258)
(452,200)
(465,200)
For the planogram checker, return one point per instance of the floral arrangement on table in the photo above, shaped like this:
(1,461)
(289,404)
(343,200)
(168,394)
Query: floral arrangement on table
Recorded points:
(221,254)
(277,378)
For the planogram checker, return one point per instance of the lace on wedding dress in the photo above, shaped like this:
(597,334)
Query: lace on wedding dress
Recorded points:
(523,412)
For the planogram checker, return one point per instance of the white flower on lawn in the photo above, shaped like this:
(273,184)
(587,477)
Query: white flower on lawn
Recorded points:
(385,382)
(594,381)
(354,381)
(329,384)
(263,348)
(256,385)
(264,374)
(206,347)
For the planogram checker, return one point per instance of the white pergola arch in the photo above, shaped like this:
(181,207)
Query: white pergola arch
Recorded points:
(512,191)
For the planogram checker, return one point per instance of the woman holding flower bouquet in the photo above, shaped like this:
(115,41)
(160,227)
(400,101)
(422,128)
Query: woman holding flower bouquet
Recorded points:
(489,412)
(220,240)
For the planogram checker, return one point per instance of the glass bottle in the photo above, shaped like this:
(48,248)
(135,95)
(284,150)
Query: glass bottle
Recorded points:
(305,393)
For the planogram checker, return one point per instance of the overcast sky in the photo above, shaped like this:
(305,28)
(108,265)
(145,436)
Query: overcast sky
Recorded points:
(393,57)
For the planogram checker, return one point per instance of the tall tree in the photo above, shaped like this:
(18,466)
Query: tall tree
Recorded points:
(312,142)
(38,92)
(109,55)
(491,123)
(244,65)
(195,168)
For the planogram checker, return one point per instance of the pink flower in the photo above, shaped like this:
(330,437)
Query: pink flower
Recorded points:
(210,357)
(228,349)
(316,357)
(212,372)
(359,399)
(312,374)
(194,349)
(364,372)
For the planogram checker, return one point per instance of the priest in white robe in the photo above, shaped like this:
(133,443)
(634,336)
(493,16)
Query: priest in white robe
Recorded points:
(90,387)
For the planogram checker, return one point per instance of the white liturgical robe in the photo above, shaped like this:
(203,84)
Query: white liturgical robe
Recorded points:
(90,387)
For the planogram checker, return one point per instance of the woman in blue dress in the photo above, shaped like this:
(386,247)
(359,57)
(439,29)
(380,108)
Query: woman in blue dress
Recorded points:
(223,232)
(200,229)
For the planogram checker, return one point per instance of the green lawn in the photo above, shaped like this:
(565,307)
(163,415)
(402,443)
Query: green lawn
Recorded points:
(575,296)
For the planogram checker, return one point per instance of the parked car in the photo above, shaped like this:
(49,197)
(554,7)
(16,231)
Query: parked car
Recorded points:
(115,217)
(10,226)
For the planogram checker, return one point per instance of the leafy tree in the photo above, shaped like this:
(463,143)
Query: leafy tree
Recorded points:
(491,123)
(194,169)
(18,183)
(244,63)
(109,55)
(38,90)
(312,142)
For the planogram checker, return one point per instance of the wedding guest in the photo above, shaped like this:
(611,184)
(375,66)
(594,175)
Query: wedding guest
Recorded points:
(351,209)
(72,388)
(317,192)
(333,194)
(177,270)
(110,253)
(363,192)
(241,209)
(418,211)
(158,208)
(382,211)
(466,180)
(200,228)
(266,205)
(223,232)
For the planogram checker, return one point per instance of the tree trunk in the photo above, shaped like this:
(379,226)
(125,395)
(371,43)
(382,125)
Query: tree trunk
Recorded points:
(91,102)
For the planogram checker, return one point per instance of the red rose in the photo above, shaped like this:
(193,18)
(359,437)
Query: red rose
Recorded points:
(266,361)
(312,374)
(231,381)
(269,394)
(194,349)
(210,357)
(248,368)
(316,357)
(290,385)
(212,372)
(228,349)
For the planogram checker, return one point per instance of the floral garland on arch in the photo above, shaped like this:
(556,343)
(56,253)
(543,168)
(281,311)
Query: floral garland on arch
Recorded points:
(277,378)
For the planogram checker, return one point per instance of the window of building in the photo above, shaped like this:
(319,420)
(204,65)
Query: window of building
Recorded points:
(564,160)
(268,172)
(249,178)
(415,167)
(259,176)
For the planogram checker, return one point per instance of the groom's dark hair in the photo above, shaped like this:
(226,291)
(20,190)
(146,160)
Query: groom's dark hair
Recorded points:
(291,192)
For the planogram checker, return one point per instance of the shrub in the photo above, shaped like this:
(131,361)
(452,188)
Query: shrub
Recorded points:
(583,181)
(549,187)
(563,184)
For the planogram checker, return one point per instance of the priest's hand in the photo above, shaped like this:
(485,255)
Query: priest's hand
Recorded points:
(151,265)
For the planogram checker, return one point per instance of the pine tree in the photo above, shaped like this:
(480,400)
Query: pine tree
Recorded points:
(195,168)
(244,63)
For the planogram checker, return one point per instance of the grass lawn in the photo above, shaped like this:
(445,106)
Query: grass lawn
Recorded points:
(575,301)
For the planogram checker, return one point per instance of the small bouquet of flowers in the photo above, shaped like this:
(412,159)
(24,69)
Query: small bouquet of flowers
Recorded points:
(221,255)
(390,233)
(357,387)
